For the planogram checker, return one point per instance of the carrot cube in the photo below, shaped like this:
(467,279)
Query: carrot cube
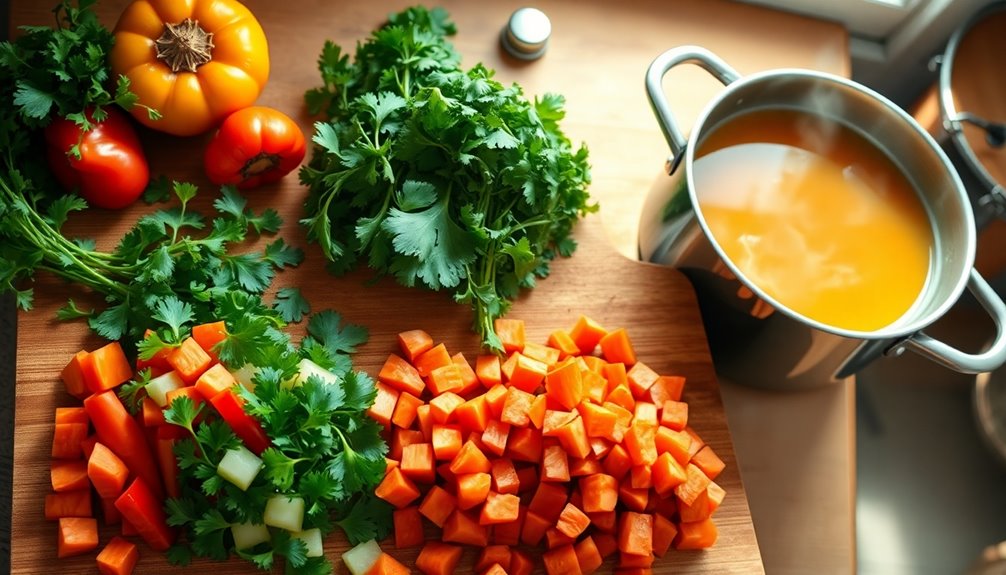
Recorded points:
(118,557)
(586,334)
(437,505)
(408,524)
(105,368)
(401,375)
(511,333)
(487,368)
(464,528)
(565,385)
(561,560)
(417,462)
(527,373)
(560,339)
(442,407)
(189,360)
(446,378)
(414,343)
(572,522)
(76,536)
(431,359)
(397,489)
(68,504)
(384,404)
(635,533)
(499,508)
(516,408)
(73,376)
(617,348)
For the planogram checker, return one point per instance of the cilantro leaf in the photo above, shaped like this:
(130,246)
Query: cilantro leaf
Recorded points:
(291,305)
(326,326)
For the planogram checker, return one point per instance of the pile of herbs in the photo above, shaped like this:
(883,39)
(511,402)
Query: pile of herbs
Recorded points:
(442,177)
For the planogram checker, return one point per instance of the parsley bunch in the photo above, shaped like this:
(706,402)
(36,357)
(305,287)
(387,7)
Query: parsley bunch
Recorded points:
(442,177)
(325,450)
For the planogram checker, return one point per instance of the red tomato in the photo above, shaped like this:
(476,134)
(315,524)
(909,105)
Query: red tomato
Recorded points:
(111,172)
(254,146)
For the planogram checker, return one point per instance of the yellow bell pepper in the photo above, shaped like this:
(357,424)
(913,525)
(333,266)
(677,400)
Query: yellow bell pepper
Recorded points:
(194,61)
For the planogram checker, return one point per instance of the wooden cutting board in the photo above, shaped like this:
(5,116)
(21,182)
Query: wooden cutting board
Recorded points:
(656,304)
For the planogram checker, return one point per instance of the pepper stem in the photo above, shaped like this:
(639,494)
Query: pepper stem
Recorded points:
(184,46)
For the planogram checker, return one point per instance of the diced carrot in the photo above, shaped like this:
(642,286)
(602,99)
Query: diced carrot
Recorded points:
(595,386)
(494,438)
(431,359)
(695,483)
(561,560)
(68,475)
(462,527)
(188,391)
(573,437)
(598,421)
(110,512)
(509,533)
(710,463)
(468,376)
(118,557)
(511,333)
(615,374)
(543,353)
(667,387)
(73,376)
(580,467)
(716,496)
(534,528)
(600,492)
(414,343)
(588,556)
(600,447)
(401,375)
(417,462)
(446,442)
(622,396)
(105,368)
(635,533)
(68,504)
(617,348)
(677,443)
(384,404)
(402,437)
(640,477)
(555,464)
(560,339)
(474,414)
(631,561)
(473,489)
(442,406)
(697,442)
(387,565)
(72,415)
(554,420)
(487,368)
(548,501)
(153,415)
(66,440)
(664,533)
(145,510)
(623,419)
(438,558)
(666,506)
(520,563)
(586,333)
(77,535)
(641,379)
(606,543)
(524,444)
(667,474)
(617,463)
(527,373)
(516,407)
(634,499)
(495,398)
(189,360)
(697,510)
(408,524)
(640,442)
(564,385)
(499,508)
(87,446)
(555,538)
(405,410)
(698,535)
(527,477)
(536,413)
(470,459)
(572,521)
(593,363)
(425,418)
(674,415)
(209,336)
(508,365)
(493,554)
(446,378)
(214,380)
(437,505)
(604,521)
(106,472)
(397,489)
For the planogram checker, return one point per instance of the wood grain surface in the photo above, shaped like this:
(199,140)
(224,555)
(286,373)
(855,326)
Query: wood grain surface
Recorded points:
(597,58)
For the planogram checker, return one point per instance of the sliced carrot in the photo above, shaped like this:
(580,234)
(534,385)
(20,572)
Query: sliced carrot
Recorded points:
(548,501)
(667,387)
(623,419)
(617,463)
(106,472)
(527,477)
(188,391)
(401,375)
(555,464)
(387,565)
(617,348)
(677,443)
(516,408)
(664,532)
(405,410)
(598,421)
(640,477)
(635,533)
(437,505)
(110,512)
(695,483)
(495,398)
(462,527)
(524,444)
(73,376)
(397,489)
(401,438)
(554,420)
(595,386)
(189,360)
(674,415)
(494,438)
(508,365)
(214,380)
(431,359)
(408,527)
(543,353)
(425,419)
(710,463)
(697,535)
(640,442)
(418,463)
(414,343)
(68,475)
(634,499)
(534,528)
(622,396)
(493,554)
(536,413)
(473,489)
(588,556)
(600,492)
(438,558)
(573,437)
(565,385)
(67,439)
(470,459)
(474,414)
(76,536)
(716,496)
(68,504)
(209,336)
(667,474)
(487,368)
(468,377)
(561,340)
(105,368)
(561,560)
(499,508)
(511,333)
(118,557)
(697,510)
(600,447)
(527,373)
(586,334)
(442,406)
(446,378)
(384,404)
(446,442)
(641,379)
(572,521)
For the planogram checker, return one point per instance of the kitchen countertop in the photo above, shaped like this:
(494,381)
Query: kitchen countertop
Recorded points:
(795,450)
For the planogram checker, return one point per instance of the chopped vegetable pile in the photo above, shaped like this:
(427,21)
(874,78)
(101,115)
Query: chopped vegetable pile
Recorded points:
(258,455)
(439,176)
(585,454)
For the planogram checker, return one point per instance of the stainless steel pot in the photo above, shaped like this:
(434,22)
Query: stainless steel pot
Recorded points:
(765,343)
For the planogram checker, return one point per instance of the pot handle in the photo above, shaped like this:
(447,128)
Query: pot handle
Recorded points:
(655,90)
(957,360)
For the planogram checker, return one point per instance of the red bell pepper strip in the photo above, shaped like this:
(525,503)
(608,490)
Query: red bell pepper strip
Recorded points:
(145,512)
(231,407)
(121,433)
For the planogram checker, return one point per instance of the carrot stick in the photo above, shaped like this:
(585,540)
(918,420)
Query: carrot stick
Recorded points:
(121,433)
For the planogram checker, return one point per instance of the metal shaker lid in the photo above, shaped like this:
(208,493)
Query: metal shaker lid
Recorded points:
(526,34)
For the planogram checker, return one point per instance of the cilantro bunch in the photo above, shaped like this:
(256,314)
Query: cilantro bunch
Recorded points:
(439,176)
(325,450)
